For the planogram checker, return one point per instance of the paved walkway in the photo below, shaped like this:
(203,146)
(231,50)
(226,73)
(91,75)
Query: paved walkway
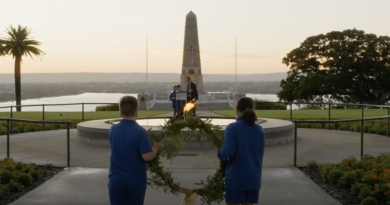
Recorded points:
(79,186)
(88,185)
(325,146)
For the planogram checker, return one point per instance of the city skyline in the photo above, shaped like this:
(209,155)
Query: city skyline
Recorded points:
(110,36)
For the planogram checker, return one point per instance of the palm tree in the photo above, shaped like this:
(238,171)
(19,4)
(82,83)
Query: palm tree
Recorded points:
(2,47)
(18,43)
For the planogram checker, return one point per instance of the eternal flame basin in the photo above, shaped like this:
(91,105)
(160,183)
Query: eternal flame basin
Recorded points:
(95,132)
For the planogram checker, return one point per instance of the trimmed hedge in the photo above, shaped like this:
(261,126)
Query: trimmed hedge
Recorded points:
(265,105)
(374,126)
(111,107)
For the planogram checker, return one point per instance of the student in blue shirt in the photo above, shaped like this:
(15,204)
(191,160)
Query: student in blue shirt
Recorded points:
(172,97)
(130,150)
(243,149)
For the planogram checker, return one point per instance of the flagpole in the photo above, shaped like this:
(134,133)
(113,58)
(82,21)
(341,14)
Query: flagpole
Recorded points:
(236,63)
(147,65)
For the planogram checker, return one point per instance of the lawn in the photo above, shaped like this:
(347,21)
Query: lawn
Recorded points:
(312,114)
(73,115)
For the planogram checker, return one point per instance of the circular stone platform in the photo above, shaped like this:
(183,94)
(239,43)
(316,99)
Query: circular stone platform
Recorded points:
(96,132)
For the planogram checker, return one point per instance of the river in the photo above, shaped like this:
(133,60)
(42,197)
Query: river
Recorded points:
(92,98)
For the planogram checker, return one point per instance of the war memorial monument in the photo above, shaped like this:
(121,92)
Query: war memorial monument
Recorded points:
(191,67)
(277,131)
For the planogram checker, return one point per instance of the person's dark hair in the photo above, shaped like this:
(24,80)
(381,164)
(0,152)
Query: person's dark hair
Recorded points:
(128,106)
(188,78)
(247,107)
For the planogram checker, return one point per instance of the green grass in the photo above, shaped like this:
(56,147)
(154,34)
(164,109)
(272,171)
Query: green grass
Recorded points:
(312,114)
(278,114)
(73,115)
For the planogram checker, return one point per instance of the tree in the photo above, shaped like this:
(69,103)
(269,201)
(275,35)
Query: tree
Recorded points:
(350,66)
(18,43)
(2,47)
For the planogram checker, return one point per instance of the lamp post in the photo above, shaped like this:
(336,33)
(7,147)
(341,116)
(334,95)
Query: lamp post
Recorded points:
(236,63)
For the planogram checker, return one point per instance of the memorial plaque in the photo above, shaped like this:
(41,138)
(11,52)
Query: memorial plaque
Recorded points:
(181,96)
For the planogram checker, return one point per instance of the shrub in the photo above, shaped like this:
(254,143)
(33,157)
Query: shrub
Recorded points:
(19,166)
(49,166)
(368,179)
(312,165)
(374,127)
(24,179)
(324,172)
(4,191)
(265,105)
(111,107)
(34,174)
(6,177)
(334,175)
(364,192)
(44,173)
(369,201)
(347,179)
(14,187)
(356,188)
(15,176)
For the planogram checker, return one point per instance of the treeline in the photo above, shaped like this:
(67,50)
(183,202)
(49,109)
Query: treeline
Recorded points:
(41,90)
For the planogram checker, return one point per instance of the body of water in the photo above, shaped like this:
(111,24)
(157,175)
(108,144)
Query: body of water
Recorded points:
(91,98)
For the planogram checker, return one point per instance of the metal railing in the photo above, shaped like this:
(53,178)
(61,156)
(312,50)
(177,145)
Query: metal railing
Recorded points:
(43,121)
(328,105)
(362,120)
(296,122)
(329,108)
(9,120)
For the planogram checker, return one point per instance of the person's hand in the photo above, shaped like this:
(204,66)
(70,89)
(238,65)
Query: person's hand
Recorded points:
(158,146)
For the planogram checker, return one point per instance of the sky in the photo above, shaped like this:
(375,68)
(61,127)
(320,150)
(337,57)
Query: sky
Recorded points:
(110,35)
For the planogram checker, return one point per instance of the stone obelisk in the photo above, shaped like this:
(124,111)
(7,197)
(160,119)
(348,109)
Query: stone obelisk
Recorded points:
(191,56)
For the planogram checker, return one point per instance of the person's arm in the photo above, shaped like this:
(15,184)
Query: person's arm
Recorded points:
(150,155)
(229,144)
(171,97)
(146,151)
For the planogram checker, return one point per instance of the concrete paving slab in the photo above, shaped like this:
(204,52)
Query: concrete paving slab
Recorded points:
(84,186)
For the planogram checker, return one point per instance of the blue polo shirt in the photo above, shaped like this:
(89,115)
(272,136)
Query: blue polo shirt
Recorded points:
(243,149)
(172,97)
(128,142)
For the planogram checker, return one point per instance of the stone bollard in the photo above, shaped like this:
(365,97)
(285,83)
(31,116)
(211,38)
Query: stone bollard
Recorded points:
(189,198)
(142,101)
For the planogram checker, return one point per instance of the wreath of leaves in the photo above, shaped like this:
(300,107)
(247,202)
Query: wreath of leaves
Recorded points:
(210,190)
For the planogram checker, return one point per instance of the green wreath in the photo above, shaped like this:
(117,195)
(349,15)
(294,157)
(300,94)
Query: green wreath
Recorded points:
(212,189)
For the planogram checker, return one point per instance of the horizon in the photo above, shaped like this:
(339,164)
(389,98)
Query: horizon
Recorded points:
(111,35)
(145,73)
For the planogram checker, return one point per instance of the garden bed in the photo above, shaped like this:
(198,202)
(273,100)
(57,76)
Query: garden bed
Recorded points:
(23,127)
(354,182)
(16,178)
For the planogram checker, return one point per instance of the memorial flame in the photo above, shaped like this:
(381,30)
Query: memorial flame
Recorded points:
(189,106)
